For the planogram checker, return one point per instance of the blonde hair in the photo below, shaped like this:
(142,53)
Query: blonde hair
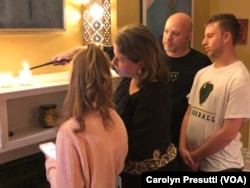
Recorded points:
(90,87)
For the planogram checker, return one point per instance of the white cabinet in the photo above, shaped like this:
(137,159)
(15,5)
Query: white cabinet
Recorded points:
(19,113)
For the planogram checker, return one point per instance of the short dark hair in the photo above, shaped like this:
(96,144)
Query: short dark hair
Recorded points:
(227,22)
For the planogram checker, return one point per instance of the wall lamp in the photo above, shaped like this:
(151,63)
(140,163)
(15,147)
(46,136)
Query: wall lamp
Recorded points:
(96,21)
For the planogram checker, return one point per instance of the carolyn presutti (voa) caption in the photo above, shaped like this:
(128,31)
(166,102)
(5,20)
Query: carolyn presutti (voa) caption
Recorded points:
(196,179)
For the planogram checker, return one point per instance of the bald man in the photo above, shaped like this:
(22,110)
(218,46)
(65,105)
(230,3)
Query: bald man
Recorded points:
(183,62)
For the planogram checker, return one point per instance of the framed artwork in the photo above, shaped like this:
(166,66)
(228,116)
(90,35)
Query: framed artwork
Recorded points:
(31,15)
(154,13)
(243,31)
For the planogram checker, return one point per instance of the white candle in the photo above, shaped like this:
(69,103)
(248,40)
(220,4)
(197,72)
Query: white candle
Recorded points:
(6,79)
(25,75)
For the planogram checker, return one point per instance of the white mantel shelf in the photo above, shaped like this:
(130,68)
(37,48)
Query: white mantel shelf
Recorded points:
(19,113)
(38,82)
(19,106)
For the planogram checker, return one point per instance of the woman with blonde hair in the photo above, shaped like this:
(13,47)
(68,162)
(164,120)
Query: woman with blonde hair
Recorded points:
(91,143)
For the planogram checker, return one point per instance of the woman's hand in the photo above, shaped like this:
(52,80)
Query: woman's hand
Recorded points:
(65,57)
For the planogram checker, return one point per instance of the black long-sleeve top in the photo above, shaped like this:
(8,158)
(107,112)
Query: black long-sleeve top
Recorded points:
(146,115)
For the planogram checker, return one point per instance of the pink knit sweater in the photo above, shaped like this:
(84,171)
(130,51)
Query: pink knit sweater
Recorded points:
(90,159)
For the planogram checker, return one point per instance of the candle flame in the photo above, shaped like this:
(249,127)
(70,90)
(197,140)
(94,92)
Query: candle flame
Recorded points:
(25,65)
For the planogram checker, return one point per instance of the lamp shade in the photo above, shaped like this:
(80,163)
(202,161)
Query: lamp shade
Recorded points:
(96,22)
(96,11)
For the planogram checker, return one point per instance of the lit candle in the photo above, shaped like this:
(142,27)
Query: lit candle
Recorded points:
(25,75)
(6,79)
